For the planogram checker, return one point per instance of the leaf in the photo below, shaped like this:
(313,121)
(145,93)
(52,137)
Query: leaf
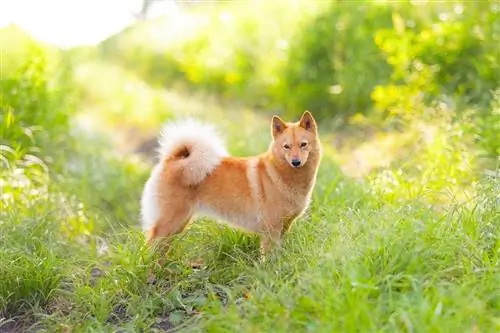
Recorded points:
(399,23)
(176,317)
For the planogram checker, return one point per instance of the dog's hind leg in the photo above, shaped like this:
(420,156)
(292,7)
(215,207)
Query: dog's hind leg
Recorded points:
(173,220)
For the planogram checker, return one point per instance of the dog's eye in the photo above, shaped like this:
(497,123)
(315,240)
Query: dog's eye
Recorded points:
(285,146)
(303,144)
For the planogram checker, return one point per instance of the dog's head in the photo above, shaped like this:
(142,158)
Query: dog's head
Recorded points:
(294,142)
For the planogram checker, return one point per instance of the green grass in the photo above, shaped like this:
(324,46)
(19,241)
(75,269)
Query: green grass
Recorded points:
(358,261)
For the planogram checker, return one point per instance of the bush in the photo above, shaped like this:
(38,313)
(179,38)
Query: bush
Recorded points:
(446,51)
(333,63)
(488,133)
(35,97)
(335,59)
(233,50)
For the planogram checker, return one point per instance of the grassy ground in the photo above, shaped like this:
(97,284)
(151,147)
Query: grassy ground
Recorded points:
(412,245)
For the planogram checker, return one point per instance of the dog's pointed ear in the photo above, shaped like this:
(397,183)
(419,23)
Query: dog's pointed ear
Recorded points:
(307,122)
(277,126)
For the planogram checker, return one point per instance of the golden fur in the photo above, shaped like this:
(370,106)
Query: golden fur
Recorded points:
(262,194)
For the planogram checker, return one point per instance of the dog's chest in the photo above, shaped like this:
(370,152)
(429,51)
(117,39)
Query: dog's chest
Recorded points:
(290,202)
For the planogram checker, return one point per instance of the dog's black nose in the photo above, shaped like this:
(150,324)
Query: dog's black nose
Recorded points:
(296,163)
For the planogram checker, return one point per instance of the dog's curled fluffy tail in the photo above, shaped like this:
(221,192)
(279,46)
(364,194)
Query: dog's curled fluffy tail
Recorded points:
(194,148)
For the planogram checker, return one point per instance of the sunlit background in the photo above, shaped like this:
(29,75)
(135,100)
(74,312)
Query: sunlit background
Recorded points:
(403,231)
(76,23)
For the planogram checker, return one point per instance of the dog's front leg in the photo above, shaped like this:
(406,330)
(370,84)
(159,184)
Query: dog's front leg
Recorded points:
(269,239)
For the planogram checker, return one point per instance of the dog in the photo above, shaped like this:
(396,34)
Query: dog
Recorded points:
(196,177)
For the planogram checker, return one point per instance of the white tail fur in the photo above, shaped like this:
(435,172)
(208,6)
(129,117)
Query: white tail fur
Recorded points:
(203,145)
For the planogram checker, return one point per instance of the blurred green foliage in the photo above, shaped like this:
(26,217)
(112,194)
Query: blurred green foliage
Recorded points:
(440,52)
(232,49)
(333,63)
(50,172)
(335,58)
(36,100)
(488,133)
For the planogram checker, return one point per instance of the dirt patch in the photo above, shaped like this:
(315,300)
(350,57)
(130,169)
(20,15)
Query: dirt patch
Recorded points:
(165,325)
(10,326)
(119,314)
(16,325)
